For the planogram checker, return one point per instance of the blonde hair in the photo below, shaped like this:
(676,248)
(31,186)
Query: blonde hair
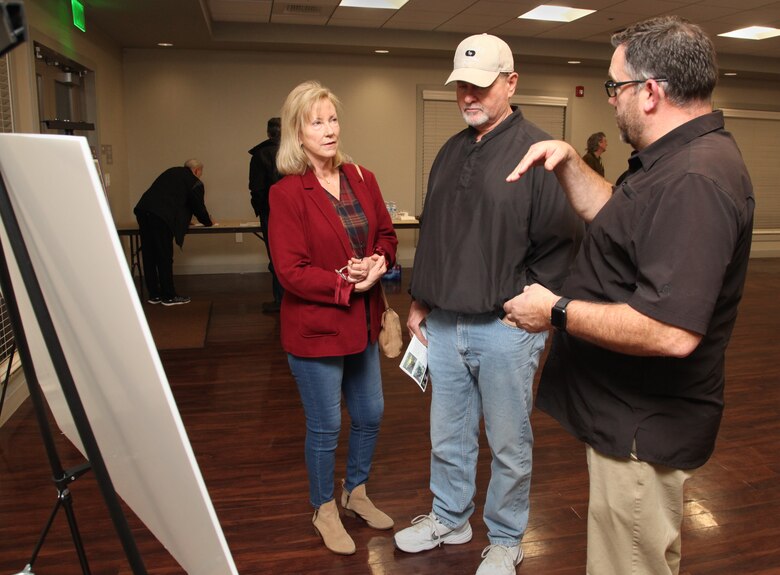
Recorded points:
(296,110)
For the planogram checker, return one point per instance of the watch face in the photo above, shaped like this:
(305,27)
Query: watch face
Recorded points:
(558,318)
(558,314)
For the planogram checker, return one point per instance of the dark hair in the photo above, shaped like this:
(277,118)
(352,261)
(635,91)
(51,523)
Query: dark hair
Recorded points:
(274,128)
(673,48)
(593,141)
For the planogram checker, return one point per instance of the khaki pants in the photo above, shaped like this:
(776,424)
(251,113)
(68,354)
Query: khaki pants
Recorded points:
(634,516)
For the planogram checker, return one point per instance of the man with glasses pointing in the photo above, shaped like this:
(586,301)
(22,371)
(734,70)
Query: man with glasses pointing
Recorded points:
(636,366)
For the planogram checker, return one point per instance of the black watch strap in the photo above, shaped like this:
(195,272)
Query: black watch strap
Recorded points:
(558,314)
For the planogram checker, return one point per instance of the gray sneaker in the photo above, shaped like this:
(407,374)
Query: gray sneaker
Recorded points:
(500,560)
(427,532)
(176,300)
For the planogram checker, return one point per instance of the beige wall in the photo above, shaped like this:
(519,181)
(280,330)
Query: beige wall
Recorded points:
(214,105)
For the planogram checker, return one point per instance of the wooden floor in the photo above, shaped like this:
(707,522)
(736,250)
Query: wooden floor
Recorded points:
(241,410)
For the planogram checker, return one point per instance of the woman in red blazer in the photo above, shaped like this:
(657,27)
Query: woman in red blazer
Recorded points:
(331,241)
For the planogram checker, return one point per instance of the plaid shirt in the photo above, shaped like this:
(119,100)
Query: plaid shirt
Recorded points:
(352,216)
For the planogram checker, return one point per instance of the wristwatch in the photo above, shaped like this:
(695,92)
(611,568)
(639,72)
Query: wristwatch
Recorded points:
(558,314)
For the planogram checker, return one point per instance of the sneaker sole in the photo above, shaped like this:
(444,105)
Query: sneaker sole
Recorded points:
(517,561)
(170,303)
(449,539)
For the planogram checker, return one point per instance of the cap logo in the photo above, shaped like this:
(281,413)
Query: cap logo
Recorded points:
(470,53)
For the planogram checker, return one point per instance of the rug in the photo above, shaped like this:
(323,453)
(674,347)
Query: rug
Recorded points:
(179,326)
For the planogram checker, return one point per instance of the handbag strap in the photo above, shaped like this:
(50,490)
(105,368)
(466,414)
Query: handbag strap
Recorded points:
(381,287)
(384,297)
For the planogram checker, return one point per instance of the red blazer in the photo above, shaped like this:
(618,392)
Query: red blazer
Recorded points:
(321,315)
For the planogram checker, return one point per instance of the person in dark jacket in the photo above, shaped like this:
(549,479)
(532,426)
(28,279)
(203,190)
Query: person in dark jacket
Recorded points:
(164,213)
(262,175)
(597,145)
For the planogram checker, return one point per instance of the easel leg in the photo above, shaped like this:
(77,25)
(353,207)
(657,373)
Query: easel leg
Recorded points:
(7,379)
(64,500)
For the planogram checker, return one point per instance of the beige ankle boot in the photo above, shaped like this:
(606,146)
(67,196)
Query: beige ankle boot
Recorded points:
(327,524)
(358,503)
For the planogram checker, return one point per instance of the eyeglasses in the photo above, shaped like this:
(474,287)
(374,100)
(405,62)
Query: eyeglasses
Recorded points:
(612,87)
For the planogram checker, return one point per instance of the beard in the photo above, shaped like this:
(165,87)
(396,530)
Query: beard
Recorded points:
(629,127)
(475,120)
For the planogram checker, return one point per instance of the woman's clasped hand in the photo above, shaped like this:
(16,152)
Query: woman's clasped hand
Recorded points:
(365,272)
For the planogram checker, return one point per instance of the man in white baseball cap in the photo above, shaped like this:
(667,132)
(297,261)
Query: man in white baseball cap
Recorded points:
(481,241)
(480,59)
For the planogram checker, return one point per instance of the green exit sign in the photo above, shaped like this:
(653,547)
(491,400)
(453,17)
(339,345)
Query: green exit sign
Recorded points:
(79,20)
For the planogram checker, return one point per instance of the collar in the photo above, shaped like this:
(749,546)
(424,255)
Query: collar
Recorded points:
(505,124)
(676,139)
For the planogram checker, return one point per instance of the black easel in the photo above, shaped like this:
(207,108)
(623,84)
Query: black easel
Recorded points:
(62,478)
(7,378)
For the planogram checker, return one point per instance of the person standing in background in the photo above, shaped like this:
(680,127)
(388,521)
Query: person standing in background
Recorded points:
(331,240)
(262,175)
(164,213)
(597,145)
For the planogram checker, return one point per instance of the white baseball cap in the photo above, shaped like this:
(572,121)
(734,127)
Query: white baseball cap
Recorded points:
(480,59)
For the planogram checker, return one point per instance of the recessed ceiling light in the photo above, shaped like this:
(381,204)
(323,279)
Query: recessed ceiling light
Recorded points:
(381,51)
(383,4)
(752,33)
(555,13)
(574,62)
(729,73)
(164,44)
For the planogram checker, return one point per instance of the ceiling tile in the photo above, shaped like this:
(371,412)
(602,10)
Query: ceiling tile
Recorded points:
(368,17)
(591,26)
(743,4)
(492,8)
(530,28)
(645,9)
(416,20)
(478,22)
(303,12)
(240,10)
(448,6)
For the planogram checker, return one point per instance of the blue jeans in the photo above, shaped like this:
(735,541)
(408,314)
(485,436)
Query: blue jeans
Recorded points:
(481,366)
(321,381)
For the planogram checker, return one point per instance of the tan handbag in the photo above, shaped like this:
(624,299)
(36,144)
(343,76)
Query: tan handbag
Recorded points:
(391,340)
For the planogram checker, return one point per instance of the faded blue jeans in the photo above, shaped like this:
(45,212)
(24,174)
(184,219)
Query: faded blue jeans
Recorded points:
(480,366)
(321,382)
